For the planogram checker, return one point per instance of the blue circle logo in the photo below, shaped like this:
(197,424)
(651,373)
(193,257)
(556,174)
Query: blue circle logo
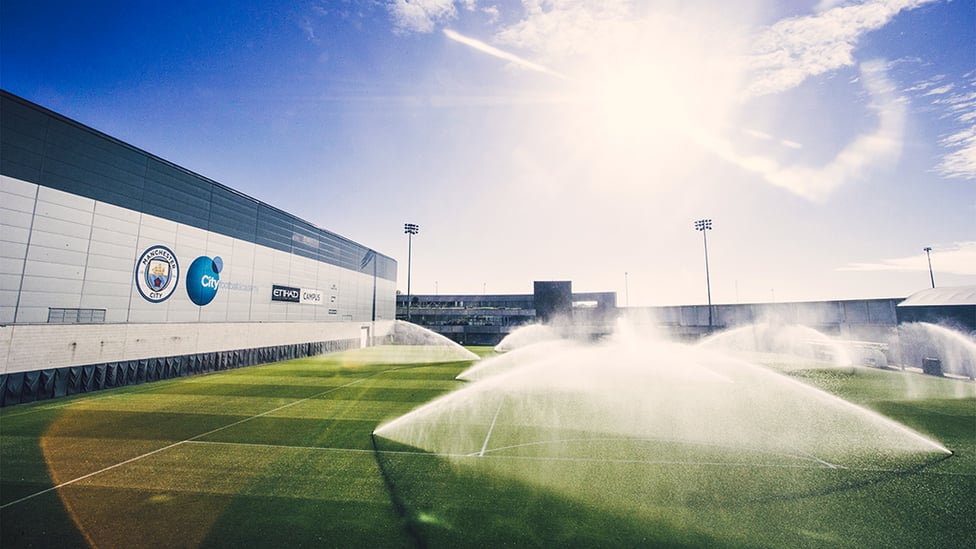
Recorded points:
(203,279)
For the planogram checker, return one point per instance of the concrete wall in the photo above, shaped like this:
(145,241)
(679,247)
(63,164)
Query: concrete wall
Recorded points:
(43,346)
(859,318)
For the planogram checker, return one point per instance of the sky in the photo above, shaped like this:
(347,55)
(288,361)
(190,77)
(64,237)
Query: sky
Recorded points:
(829,141)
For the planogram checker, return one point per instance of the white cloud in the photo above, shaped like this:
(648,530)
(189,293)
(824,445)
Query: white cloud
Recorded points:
(421,15)
(958,258)
(959,107)
(940,90)
(594,41)
(960,162)
(794,49)
(495,52)
(880,147)
(825,5)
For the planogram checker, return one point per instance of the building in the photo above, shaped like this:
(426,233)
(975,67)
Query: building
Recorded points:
(953,306)
(486,319)
(118,267)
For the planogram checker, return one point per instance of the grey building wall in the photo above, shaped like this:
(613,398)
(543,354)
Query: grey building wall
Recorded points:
(858,318)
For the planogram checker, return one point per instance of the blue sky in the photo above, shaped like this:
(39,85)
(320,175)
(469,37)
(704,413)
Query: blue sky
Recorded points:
(829,142)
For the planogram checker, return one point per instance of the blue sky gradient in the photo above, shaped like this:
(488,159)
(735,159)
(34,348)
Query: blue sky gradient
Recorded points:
(557,139)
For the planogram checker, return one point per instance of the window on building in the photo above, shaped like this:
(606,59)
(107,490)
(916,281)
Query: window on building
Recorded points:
(75,316)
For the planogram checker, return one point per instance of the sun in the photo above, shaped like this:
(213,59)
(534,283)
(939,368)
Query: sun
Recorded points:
(639,102)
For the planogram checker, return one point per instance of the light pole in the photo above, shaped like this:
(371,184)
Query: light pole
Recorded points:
(626,290)
(409,229)
(704,225)
(928,253)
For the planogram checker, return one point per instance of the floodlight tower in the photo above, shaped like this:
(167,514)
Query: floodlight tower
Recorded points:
(928,253)
(409,229)
(704,225)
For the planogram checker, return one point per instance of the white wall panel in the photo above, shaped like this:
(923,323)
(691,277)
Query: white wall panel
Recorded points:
(118,254)
(49,198)
(10,282)
(7,312)
(78,213)
(55,255)
(16,187)
(13,220)
(42,269)
(153,231)
(105,212)
(262,279)
(48,292)
(115,231)
(12,266)
(191,241)
(74,241)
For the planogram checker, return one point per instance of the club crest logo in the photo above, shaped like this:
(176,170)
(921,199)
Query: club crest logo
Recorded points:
(157,274)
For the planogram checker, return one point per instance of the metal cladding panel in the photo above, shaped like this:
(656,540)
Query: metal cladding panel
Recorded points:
(882,311)
(79,163)
(176,195)
(22,132)
(274,229)
(110,155)
(233,214)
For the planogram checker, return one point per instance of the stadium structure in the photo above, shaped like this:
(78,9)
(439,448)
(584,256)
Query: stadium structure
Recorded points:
(119,267)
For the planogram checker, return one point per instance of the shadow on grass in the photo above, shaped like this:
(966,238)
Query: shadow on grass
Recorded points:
(443,505)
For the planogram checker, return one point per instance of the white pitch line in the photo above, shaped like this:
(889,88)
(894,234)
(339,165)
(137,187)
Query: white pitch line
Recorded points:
(572,459)
(192,439)
(491,428)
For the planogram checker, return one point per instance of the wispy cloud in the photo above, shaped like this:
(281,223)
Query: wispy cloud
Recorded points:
(957,258)
(940,90)
(790,51)
(593,37)
(955,106)
(960,158)
(421,15)
(878,147)
(495,52)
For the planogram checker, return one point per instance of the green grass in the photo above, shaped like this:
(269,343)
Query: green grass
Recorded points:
(282,455)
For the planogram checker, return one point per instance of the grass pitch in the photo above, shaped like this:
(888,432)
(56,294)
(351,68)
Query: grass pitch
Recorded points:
(283,455)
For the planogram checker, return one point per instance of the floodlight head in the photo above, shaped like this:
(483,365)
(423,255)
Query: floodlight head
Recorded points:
(703,224)
(411,228)
(927,249)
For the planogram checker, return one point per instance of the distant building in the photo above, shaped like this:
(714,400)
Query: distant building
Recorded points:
(479,319)
(953,307)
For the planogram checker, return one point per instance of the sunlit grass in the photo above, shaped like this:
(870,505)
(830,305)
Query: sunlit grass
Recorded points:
(283,455)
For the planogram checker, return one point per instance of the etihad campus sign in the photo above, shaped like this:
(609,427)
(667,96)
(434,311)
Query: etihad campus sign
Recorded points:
(158,275)
(296,295)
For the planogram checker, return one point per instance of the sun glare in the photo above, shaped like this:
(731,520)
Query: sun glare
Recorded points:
(639,103)
(655,115)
